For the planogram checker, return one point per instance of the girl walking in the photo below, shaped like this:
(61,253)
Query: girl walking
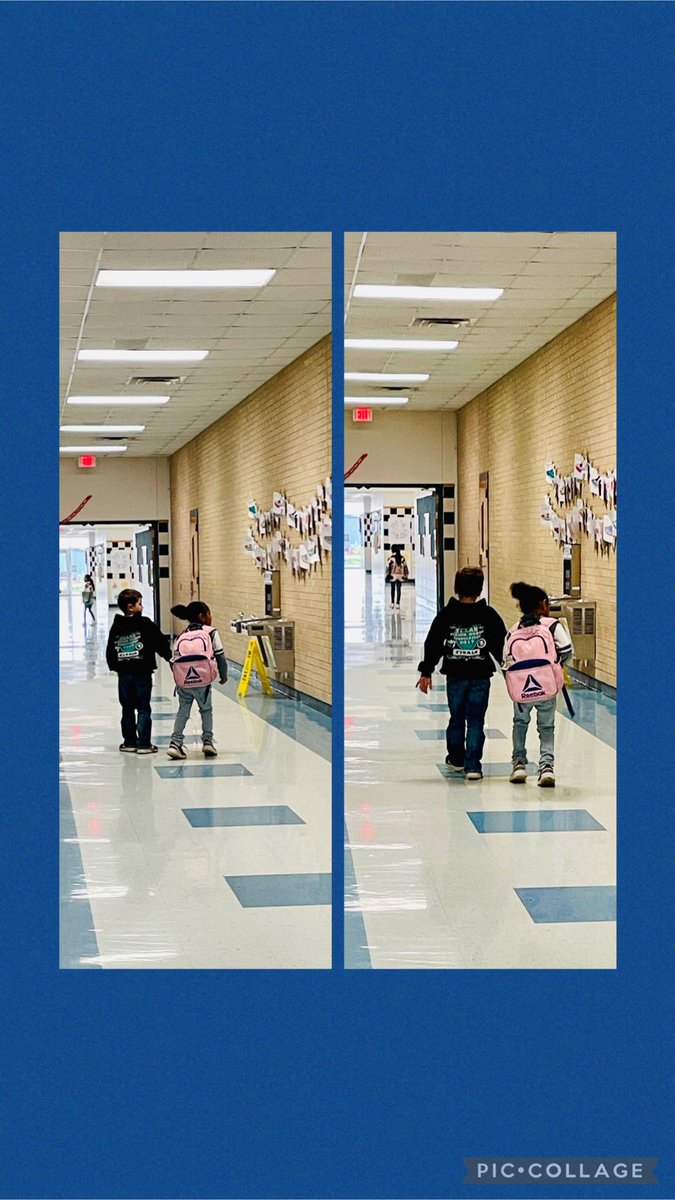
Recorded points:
(397,571)
(536,649)
(198,660)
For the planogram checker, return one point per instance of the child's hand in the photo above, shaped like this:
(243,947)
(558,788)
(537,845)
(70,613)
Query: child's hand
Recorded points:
(424,683)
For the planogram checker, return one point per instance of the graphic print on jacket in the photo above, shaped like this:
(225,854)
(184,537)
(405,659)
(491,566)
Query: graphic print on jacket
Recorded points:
(465,641)
(129,647)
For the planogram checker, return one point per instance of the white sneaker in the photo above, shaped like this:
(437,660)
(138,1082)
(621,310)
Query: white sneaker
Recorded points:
(473,775)
(518,774)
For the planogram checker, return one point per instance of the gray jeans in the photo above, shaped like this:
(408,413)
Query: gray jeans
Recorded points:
(185,697)
(545,726)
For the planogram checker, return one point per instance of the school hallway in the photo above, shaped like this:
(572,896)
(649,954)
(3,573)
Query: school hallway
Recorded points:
(444,873)
(219,863)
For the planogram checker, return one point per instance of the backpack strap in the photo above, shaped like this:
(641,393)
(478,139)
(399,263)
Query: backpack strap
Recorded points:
(568,702)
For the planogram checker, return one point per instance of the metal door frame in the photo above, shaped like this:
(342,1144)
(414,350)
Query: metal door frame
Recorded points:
(428,487)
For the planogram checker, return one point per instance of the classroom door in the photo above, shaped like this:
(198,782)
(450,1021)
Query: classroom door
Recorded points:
(194,554)
(484,531)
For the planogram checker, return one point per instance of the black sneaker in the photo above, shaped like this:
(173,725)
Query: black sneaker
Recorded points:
(127,749)
(176,751)
(209,749)
(546,777)
(147,750)
(518,774)
(453,766)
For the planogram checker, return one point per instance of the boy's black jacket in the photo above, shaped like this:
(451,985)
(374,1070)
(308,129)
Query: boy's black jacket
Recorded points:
(133,643)
(466,635)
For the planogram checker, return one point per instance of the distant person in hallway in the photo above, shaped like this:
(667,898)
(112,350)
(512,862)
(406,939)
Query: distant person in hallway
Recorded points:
(469,635)
(397,571)
(198,660)
(133,644)
(536,649)
(88,597)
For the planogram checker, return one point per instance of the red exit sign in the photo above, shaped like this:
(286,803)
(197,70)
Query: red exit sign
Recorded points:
(86,460)
(363,414)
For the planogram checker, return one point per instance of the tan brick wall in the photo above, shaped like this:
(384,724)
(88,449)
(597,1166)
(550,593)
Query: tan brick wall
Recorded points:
(559,402)
(278,439)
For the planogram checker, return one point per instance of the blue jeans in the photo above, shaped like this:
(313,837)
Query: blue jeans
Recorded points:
(465,737)
(134,693)
(545,727)
(203,697)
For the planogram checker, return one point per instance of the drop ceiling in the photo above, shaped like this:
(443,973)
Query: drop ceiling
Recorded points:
(550,280)
(250,334)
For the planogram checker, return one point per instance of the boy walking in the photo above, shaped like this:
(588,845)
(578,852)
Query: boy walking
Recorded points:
(469,634)
(133,644)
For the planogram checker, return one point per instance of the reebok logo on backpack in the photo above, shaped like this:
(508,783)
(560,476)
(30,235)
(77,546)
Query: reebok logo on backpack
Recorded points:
(533,671)
(194,662)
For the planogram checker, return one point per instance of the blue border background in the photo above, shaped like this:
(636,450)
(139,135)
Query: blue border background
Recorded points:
(330,116)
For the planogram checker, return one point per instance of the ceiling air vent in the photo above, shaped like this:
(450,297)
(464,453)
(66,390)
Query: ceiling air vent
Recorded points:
(154,380)
(431,322)
(126,344)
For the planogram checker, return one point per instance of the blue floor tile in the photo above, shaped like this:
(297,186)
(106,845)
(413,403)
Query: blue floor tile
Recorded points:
(438,735)
(257,814)
(201,770)
(554,905)
(356,952)
(538,820)
(594,712)
(298,720)
(192,741)
(157,716)
(280,891)
(500,770)
(423,706)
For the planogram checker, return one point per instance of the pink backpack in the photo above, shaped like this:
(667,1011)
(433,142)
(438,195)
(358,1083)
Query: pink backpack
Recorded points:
(533,671)
(194,662)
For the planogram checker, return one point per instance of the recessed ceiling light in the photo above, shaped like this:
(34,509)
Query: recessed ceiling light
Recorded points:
(134,356)
(377,291)
(108,400)
(383,377)
(397,344)
(102,428)
(185,279)
(91,449)
(352,401)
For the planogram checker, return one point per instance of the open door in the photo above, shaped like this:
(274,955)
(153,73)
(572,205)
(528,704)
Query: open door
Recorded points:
(194,554)
(484,531)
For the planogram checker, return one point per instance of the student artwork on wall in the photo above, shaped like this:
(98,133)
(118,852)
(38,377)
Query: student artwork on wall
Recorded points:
(573,494)
(268,541)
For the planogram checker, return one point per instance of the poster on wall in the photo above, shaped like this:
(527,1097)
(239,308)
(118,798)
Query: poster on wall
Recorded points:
(399,529)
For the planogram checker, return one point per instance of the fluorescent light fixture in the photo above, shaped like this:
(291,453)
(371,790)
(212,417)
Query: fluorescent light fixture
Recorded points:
(377,291)
(185,279)
(372,401)
(108,400)
(136,356)
(91,449)
(102,428)
(398,344)
(383,377)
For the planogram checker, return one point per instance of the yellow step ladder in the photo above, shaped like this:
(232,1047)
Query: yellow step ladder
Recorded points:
(254,661)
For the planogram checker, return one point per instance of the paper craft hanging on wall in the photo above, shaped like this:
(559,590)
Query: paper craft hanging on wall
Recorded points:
(326,533)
